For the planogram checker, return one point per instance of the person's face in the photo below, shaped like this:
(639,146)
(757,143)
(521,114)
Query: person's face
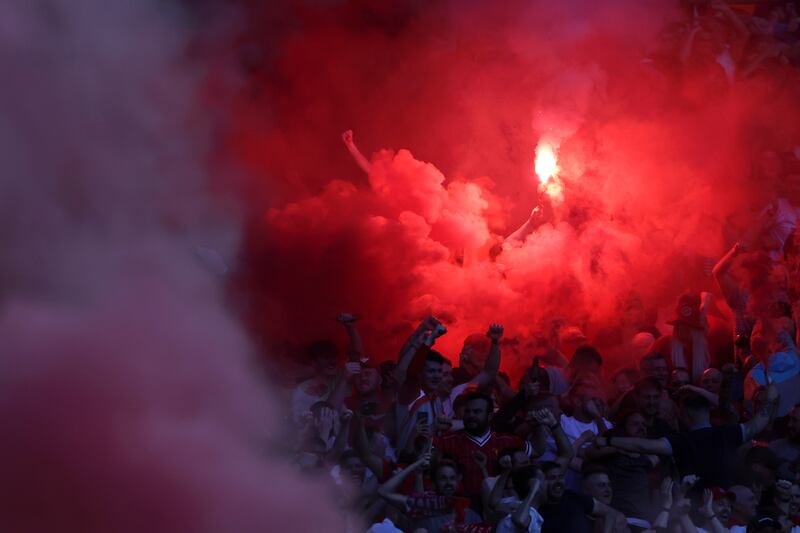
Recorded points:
(622,384)
(635,426)
(446,481)
(472,358)
(658,369)
(599,487)
(367,381)
(354,469)
(649,401)
(554,484)
(584,367)
(794,503)
(711,380)
(476,417)
(432,375)
(388,380)
(678,379)
(446,385)
(745,505)
(325,365)
(722,508)
(793,425)
(520,460)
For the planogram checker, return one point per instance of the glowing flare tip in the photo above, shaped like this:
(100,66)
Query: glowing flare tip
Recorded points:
(545,165)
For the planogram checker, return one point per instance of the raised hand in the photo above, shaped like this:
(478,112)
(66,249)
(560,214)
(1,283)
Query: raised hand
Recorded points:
(707,508)
(666,493)
(346,319)
(544,417)
(688,482)
(347,137)
(352,369)
(495,332)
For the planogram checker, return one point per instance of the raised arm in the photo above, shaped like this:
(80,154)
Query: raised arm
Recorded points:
(727,283)
(637,445)
(487,376)
(522,518)
(564,450)
(500,484)
(364,450)
(356,352)
(388,491)
(763,416)
(359,158)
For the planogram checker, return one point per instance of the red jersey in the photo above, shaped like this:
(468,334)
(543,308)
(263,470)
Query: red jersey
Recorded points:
(460,446)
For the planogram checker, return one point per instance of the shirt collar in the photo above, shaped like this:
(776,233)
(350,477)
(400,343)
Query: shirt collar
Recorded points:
(483,439)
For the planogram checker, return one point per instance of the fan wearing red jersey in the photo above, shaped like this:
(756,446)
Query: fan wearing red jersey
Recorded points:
(461,446)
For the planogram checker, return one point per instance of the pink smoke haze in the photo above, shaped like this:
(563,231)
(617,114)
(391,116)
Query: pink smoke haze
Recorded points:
(450,99)
(130,399)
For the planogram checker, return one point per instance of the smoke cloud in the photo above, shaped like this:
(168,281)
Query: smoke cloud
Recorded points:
(130,396)
(451,99)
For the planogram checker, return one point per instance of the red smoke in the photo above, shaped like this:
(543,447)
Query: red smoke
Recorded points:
(452,98)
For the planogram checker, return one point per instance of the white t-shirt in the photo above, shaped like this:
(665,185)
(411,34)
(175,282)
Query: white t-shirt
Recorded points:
(506,525)
(573,428)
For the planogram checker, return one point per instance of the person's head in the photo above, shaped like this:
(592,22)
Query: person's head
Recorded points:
(696,410)
(553,485)
(624,379)
(446,385)
(794,503)
(744,507)
(654,365)
(678,378)
(477,409)
(432,373)
(585,360)
(711,380)
(522,478)
(388,379)
(586,397)
(351,466)
(322,356)
(535,381)
(648,396)
(633,424)
(793,424)
(474,353)
(519,458)
(597,484)
(367,381)
(446,477)
(723,499)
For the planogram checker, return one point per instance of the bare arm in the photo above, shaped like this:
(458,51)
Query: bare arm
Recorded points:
(356,347)
(500,484)
(342,437)
(637,445)
(721,271)
(522,518)
(364,450)
(565,451)
(359,158)
(764,415)
(388,491)
(487,376)
(710,396)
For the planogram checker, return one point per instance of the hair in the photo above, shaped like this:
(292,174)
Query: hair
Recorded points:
(521,478)
(587,353)
(435,357)
(541,376)
(547,466)
(442,463)
(647,383)
(696,402)
(620,421)
(649,358)
(593,467)
(472,396)
(319,349)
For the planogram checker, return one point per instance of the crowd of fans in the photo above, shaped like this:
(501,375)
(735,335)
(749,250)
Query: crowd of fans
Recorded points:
(697,436)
